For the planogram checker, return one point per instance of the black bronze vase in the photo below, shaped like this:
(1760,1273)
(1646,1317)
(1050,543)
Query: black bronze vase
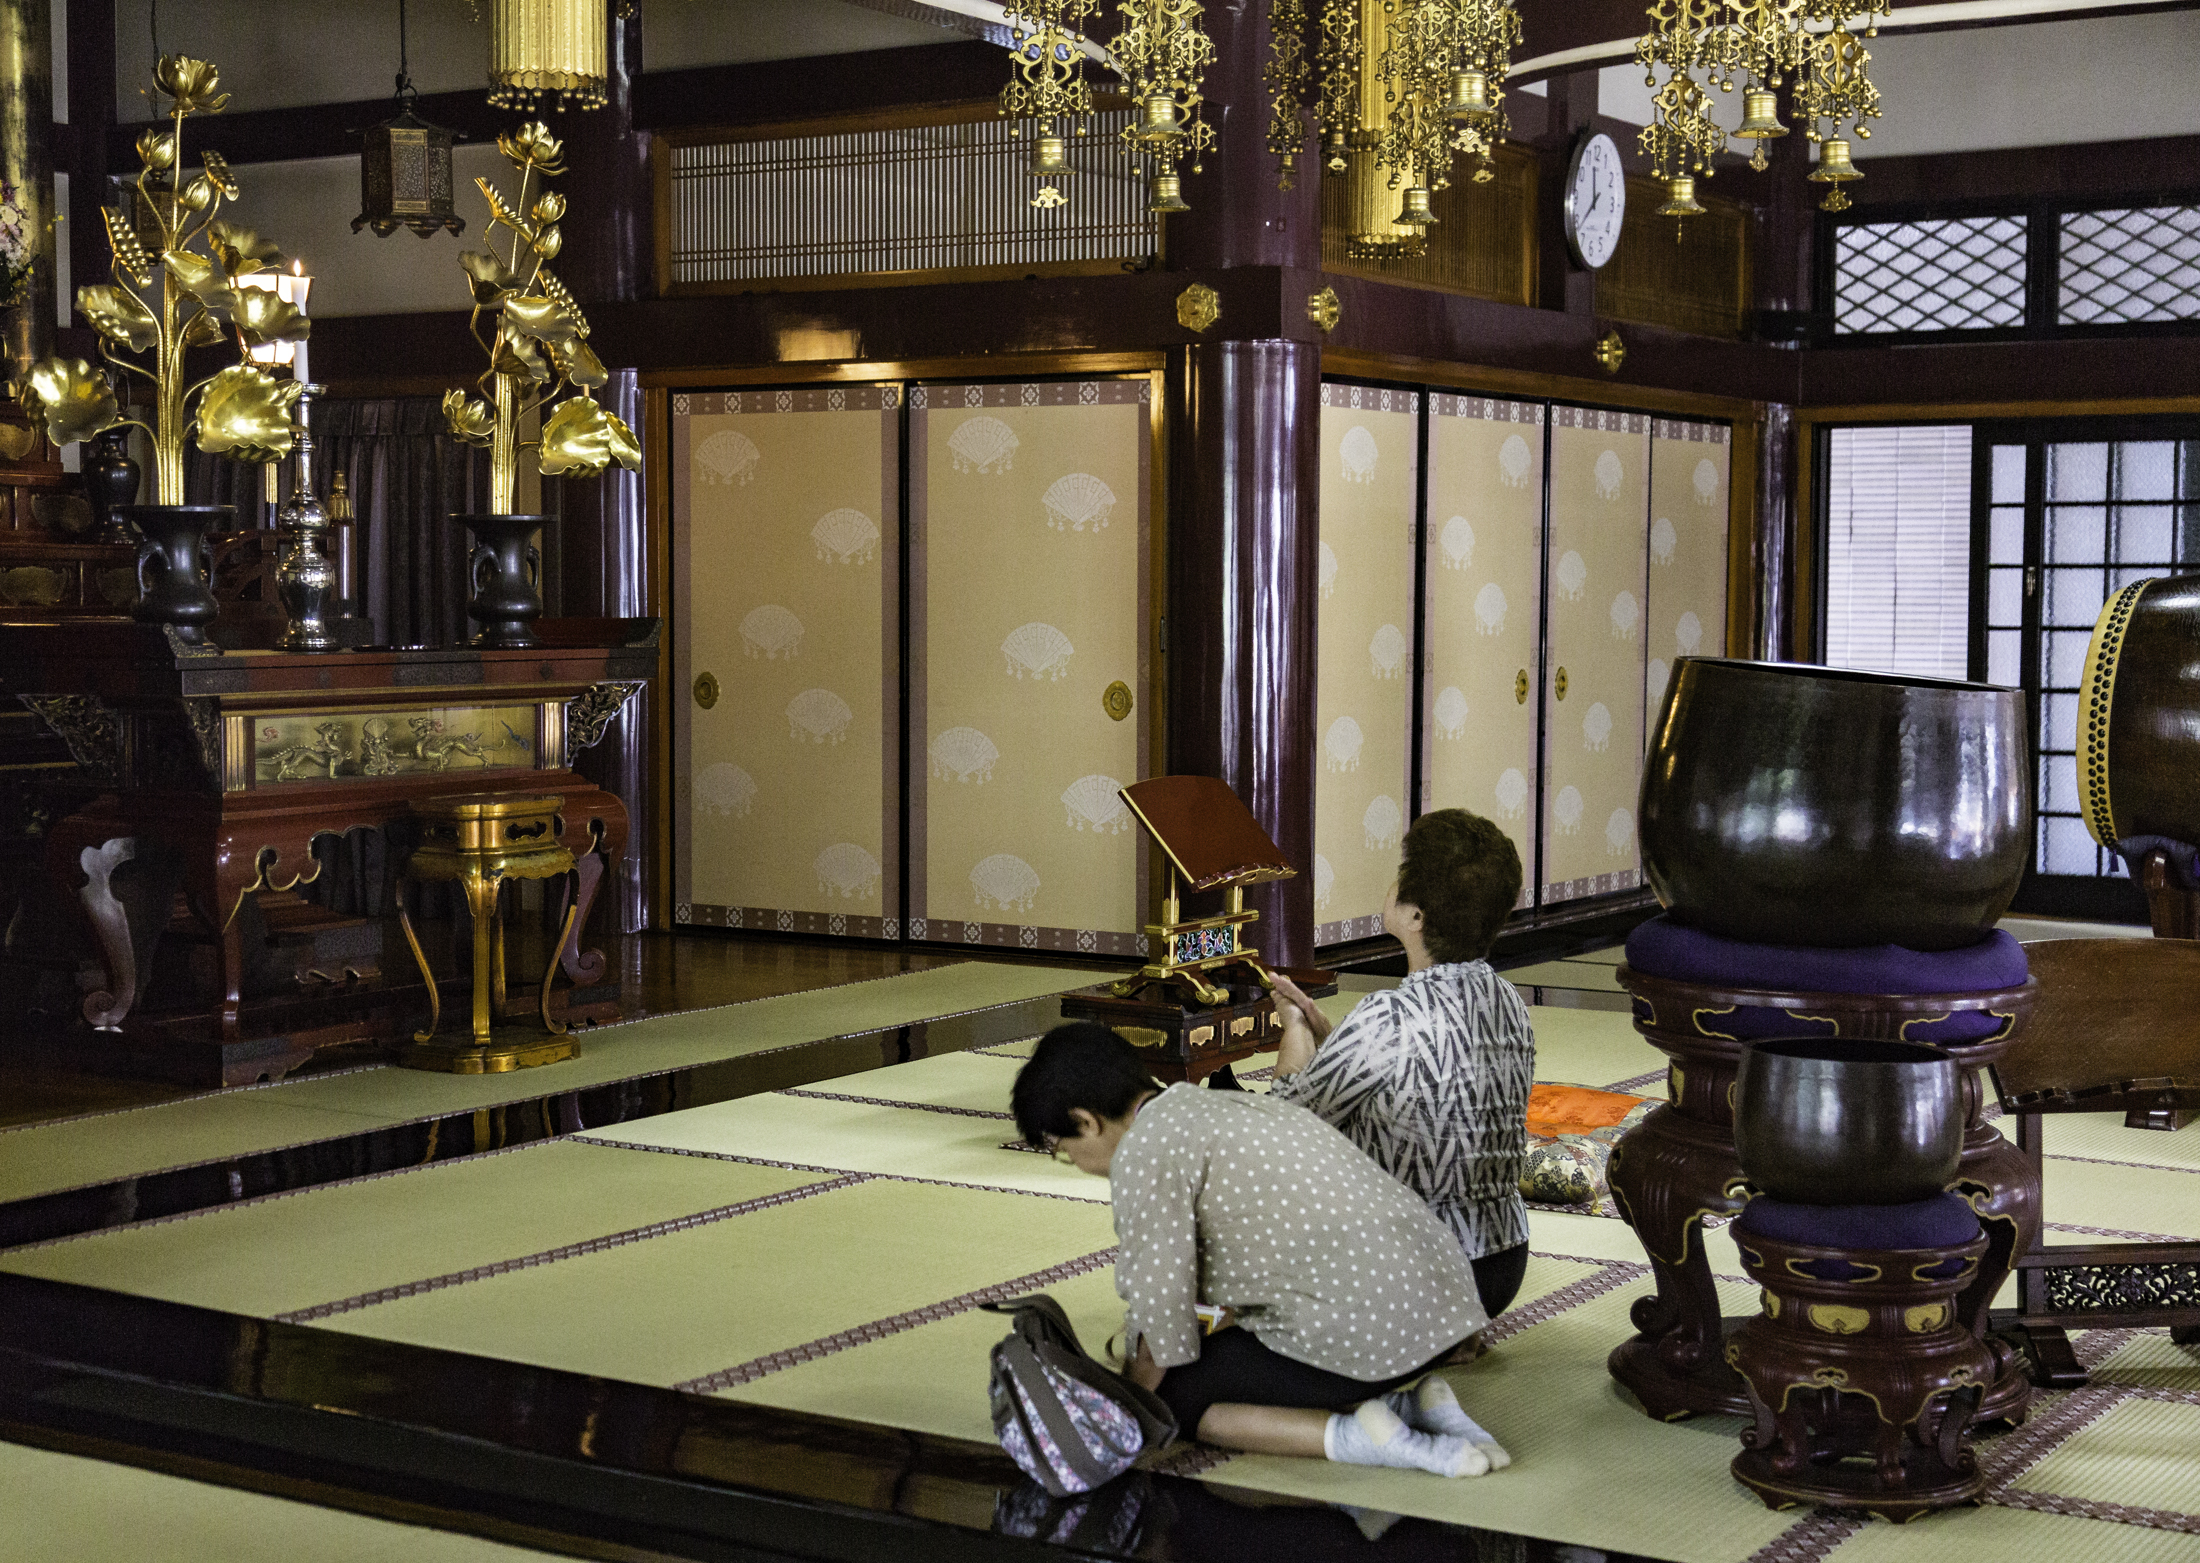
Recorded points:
(1784,804)
(172,565)
(110,482)
(506,568)
(1848,1121)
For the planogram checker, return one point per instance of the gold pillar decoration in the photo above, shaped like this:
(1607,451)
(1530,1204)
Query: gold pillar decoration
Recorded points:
(1396,91)
(542,47)
(1162,55)
(540,343)
(168,297)
(1047,86)
(27,215)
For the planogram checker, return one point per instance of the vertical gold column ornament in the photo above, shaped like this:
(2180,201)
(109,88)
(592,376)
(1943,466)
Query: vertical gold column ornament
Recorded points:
(539,48)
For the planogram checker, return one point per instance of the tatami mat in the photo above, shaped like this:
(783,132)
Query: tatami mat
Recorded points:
(45,1158)
(65,1506)
(1594,976)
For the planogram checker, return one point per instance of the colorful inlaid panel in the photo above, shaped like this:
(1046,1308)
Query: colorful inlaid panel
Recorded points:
(1030,600)
(1364,701)
(786,587)
(1689,510)
(1483,596)
(325,746)
(1593,727)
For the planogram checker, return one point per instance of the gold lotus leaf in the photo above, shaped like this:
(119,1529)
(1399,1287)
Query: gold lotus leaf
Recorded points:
(194,84)
(75,397)
(548,241)
(582,439)
(217,170)
(470,419)
(199,277)
(119,315)
(196,196)
(130,255)
(544,319)
(492,279)
(262,316)
(203,331)
(518,356)
(245,414)
(550,208)
(532,144)
(578,362)
(240,250)
(156,149)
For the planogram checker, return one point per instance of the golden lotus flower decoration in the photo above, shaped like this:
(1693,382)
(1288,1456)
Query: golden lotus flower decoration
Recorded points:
(532,331)
(582,439)
(180,293)
(246,413)
(75,396)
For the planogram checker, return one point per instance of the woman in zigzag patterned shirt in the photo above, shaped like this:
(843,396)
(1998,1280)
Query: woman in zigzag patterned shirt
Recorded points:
(1431,1078)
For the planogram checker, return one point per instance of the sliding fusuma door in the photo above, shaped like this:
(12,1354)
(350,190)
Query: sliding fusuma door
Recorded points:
(786,586)
(1031,606)
(1592,722)
(1371,459)
(1689,493)
(1483,601)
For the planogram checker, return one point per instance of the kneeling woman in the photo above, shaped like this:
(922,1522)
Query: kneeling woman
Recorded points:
(1340,1289)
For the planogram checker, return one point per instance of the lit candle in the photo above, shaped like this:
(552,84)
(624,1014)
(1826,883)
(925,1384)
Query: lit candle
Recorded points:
(296,286)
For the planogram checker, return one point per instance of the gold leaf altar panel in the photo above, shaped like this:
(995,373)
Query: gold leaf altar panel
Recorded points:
(1483,602)
(786,586)
(1030,602)
(1592,723)
(1371,456)
(1689,512)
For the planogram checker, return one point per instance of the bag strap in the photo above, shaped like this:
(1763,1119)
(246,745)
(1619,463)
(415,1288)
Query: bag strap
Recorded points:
(1025,1368)
(1042,1324)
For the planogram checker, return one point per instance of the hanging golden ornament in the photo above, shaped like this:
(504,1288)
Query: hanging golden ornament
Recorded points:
(1687,39)
(540,48)
(1837,86)
(1162,55)
(1047,87)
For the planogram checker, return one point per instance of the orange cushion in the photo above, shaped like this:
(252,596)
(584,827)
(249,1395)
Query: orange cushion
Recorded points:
(1576,1109)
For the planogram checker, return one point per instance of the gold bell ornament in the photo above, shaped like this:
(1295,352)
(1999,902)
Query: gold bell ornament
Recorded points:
(1470,96)
(1834,168)
(1415,213)
(1680,198)
(1160,121)
(1166,194)
(1760,122)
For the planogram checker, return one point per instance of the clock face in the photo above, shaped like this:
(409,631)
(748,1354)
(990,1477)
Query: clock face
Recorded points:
(1596,201)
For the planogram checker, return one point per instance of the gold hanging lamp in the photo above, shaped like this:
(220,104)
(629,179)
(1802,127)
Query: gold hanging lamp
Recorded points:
(405,166)
(543,48)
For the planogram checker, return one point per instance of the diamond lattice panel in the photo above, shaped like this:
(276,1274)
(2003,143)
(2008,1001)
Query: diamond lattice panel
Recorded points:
(2122,267)
(1961,274)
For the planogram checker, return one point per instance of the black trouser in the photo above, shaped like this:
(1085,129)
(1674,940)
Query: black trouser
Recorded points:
(1234,1368)
(1497,1277)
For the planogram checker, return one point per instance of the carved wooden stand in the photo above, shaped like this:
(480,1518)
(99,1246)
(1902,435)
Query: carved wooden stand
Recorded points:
(1189,1041)
(1876,1364)
(1677,1167)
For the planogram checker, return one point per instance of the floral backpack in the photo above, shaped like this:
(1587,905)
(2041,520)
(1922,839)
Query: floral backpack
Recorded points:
(1069,1422)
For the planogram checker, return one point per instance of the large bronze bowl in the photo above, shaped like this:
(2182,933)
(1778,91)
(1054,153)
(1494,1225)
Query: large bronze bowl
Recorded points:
(1847,1121)
(1784,804)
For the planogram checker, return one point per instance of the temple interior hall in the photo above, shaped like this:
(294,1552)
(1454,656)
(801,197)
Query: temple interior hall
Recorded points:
(609,609)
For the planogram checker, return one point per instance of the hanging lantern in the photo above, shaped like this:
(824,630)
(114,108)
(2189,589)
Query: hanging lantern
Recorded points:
(540,47)
(405,178)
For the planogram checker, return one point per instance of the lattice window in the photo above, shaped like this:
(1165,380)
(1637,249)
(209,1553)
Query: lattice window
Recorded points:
(2128,266)
(1957,274)
(920,199)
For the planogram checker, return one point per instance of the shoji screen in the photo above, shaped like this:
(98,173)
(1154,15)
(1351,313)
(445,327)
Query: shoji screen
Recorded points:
(1371,441)
(786,587)
(1593,726)
(1686,611)
(1030,598)
(1483,601)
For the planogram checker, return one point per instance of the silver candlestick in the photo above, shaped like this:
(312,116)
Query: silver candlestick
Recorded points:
(305,581)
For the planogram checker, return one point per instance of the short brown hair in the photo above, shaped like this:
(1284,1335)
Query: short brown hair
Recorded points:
(1464,875)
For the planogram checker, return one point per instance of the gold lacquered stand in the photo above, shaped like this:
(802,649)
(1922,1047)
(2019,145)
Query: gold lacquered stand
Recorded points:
(480,841)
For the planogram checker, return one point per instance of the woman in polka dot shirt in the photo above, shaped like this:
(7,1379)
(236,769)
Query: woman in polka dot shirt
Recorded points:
(1336,1288)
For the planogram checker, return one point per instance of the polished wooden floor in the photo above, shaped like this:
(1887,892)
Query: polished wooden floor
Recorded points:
(659,973)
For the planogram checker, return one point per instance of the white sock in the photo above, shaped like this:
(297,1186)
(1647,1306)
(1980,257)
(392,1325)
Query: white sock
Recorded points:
(1433,1408)
(1376,1435)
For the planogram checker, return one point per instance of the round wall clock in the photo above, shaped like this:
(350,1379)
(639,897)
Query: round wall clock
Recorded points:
(1596,201)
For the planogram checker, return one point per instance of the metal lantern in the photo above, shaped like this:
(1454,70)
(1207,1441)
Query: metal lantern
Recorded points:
(405,178)
(548,46)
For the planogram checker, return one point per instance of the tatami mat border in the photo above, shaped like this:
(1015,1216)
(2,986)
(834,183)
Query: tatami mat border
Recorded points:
(879,1329)
(2110,1161)
(887,1101)
(1611,1275)
(884,1177)
(196,1096)
(1809,1541)
(593,1245)
(1637,1082)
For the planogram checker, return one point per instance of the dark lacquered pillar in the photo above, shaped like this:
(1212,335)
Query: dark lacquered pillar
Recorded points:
(1786,285)
(1244,468)
(1244,465)
(603,550)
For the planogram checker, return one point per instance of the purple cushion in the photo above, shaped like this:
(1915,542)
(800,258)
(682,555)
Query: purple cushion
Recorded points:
(1943,1221)
(1662,947)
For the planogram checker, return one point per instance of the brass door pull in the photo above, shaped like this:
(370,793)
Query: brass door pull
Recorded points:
(1520,687)
(706,690)
(1116,700)
(1562,683)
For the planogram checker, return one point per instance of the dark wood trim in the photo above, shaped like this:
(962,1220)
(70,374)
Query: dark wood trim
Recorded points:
(657,508)
(2094,173)
(308,130)
(2060,372)
(773,92)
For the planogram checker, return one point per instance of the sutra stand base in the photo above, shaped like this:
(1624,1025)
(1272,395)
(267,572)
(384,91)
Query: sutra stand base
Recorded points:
(1190,1040)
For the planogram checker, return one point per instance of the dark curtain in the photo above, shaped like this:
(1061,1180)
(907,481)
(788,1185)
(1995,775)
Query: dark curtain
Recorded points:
(407,477)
